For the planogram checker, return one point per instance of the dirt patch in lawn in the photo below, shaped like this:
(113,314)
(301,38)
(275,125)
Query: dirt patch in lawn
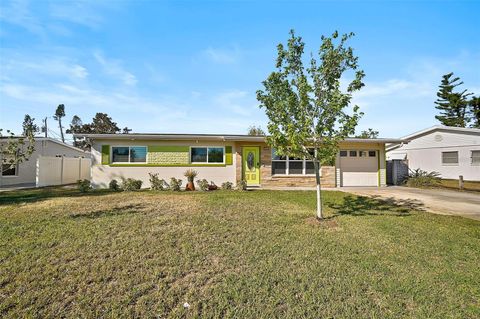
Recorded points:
(331,224)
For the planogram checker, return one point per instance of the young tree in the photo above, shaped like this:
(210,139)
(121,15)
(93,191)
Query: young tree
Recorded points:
(59,113)
(306,108)
(256,131)
(370,133)
(29,125)
(15,150)
(452,105)
(474,111)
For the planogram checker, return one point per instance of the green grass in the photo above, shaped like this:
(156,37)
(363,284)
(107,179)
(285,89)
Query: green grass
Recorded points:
(228,254)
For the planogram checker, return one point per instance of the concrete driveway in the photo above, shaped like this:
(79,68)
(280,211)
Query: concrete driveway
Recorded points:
(440,201)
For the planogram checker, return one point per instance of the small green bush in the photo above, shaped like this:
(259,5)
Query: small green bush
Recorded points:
(84,185)
(175,184)
(202,184)
(242,185)
(421,178)
(131,184)
(156,183)
(113,185)
(227,185)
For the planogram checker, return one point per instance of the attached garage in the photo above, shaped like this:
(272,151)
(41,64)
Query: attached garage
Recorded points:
(359,167)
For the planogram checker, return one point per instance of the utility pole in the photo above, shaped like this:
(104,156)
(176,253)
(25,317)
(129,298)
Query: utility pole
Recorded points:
(45,127)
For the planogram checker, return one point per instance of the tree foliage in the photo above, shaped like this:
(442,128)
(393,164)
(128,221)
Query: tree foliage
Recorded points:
(101,124)
(306,107)
(15,150)
(59,114)
(256,131)
(474,111)
(369,133)
(29,126)
(452,105)
(76,125)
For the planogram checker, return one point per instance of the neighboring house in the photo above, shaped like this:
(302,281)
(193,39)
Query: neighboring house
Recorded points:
(25,173)
(450,151)
(222,158)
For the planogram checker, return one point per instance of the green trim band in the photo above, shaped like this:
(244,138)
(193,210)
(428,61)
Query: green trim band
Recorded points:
(105,154)
(228,155)
(167,165)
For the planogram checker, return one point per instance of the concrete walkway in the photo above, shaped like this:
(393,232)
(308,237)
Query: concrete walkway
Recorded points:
(439,201)
(16,187)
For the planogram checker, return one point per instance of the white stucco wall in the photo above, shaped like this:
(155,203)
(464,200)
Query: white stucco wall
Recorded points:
(425,152)
(103,174)
(26,171)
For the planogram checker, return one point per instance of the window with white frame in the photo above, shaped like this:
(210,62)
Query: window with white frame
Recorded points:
(129,154)
(476,157)
(450,158)
(207,154)
(284,165)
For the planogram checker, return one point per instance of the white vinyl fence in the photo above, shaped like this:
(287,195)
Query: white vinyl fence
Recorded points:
(61,170)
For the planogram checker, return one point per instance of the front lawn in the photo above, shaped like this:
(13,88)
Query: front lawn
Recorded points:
(256,254)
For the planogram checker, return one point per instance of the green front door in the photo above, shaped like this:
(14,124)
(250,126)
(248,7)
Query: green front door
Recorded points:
(251,165)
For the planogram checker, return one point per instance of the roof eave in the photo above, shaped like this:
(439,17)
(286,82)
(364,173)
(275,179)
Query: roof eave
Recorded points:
(240,138)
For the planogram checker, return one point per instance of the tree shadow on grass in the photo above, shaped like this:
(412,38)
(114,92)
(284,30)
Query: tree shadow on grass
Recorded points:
(116,211)
(375,205)
(40,194)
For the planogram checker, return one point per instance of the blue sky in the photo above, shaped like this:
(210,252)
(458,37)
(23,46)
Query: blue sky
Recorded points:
(194,67)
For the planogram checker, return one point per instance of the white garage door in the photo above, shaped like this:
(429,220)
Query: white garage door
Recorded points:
(359,168)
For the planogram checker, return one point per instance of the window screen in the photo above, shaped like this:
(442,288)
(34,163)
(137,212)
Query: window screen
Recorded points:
(449,157)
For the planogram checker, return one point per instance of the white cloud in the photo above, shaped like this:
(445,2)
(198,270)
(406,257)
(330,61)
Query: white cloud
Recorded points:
(236,101)
(114,69)
(38,66)
(222,56)
(85,13)
(18,13)
(31,15)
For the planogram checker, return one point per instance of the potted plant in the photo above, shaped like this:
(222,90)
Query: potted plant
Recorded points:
(190,174)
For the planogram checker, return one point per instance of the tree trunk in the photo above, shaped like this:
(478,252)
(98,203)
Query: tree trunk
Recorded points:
(319,195)
(61,129)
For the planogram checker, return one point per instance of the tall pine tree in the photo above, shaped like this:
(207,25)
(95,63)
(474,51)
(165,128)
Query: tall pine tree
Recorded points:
(452,105)
(475,111)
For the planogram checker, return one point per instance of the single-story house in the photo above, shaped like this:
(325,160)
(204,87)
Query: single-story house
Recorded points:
(450,151)
(25,173)
(222,158)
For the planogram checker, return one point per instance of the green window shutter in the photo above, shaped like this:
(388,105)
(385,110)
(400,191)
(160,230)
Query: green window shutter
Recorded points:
(105,154)
(228,155)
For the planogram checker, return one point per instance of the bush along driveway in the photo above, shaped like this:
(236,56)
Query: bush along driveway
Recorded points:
(227,254)
(440,201)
